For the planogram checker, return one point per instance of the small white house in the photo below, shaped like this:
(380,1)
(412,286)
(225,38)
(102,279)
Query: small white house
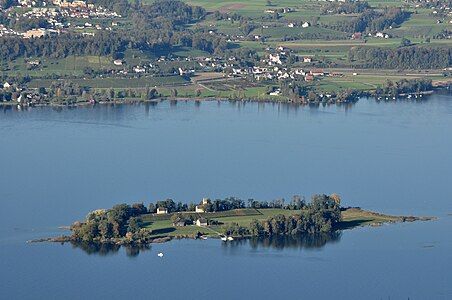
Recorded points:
(199,209)
(139,69)
(117,62)
(162,211)
(202,222)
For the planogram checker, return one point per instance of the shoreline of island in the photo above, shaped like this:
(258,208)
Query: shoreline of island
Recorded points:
(227,219)
(382,98)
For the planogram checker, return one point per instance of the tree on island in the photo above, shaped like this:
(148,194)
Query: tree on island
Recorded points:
(151,208)
(168,204)
(134,224)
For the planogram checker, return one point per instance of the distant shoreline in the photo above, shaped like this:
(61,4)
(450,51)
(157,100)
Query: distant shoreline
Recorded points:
(223,99)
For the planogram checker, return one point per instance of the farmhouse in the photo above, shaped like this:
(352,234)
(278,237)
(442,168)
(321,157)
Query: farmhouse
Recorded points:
(34,62)
(179,222)
(317,73)
(139,69)
(162,211)
(201,222)
(357,36)
(199,209)
(35,33)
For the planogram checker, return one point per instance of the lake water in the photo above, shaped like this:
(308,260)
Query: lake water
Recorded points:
(395,158)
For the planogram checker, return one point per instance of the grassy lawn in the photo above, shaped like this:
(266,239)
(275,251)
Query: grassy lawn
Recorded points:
(162,224)
(354,217)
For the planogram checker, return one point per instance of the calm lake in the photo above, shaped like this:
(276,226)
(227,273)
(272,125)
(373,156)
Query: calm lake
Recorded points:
(394,158)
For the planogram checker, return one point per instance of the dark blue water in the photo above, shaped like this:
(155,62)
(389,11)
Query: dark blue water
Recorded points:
(56,165)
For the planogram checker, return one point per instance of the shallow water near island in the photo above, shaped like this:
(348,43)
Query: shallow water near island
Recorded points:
(394,158)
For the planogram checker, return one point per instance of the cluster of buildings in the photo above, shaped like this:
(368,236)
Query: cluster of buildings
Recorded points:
(4,31)
(22,95)
(379,34)
(60,3)
(437,6)
(39,32)
(275,67)
(76,3)
(280,73)
(30,3)
(303,25)
(32,33)
(56,17)
(200,221)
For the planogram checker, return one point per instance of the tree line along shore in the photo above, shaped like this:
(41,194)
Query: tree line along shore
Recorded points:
(232,217)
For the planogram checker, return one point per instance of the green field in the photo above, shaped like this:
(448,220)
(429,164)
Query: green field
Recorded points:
(161,225)
(117,83)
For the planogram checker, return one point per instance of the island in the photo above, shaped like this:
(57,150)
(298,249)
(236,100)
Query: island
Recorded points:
(227,219)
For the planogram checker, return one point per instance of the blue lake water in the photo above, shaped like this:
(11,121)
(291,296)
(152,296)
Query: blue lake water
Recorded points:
(395,158)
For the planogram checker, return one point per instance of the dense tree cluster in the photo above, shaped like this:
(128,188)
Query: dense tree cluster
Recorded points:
(405,86)
(104,43)
(159,25)
(319,216)
(372,21)
(222,205)
(413,57)
(170,205)
(119,222)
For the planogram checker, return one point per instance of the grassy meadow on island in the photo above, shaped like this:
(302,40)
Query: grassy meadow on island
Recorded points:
(79,52)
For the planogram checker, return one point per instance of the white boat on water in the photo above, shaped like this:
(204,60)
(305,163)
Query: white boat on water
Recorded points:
(230,238)
(224,239)
(160,254)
